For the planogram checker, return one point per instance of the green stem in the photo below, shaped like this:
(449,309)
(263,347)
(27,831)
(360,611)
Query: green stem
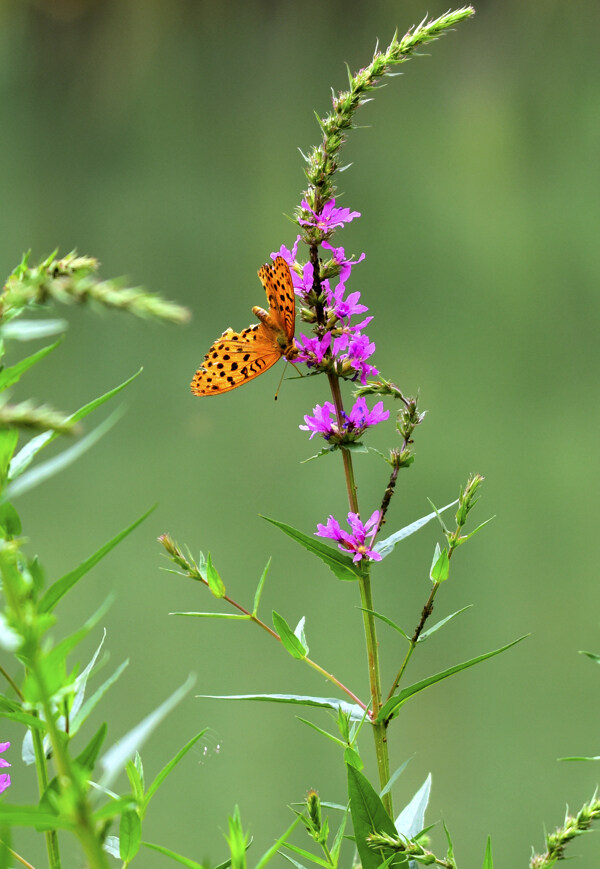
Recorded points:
(366,597)
(426,612)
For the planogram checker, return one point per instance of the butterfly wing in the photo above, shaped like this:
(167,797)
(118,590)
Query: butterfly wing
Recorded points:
(277,281)
(234,359)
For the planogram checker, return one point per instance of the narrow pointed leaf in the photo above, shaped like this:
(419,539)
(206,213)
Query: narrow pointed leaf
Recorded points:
(115,758)
(321,731)
(13,374)
(8,444)
(87,758)
(393,704)
(578,757)
(31,330)
(387,621)
(368,816)
(441,623)
(96,697)
(488,863)
(32,816)
(393,778)
(259,587)
(275,848)
(352,709)
(41,473)
(288,638)
(440,569)
(58,589)
(130,835)
(308,856)
(171,765)
(411,819)
(341,565)
(353,758)
(450,851)
(591,655)
(339,837)
(301,634)
(385,547)
(215,583)
(178,858)
(26,455)
(232,616)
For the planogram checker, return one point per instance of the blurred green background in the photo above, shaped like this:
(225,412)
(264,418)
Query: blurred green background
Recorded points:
(162,138)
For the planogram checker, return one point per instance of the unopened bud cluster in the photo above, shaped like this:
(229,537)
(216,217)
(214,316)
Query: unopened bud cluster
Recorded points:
(573,826)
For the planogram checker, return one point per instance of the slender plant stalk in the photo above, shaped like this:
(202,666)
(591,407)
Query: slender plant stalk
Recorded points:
(366,598)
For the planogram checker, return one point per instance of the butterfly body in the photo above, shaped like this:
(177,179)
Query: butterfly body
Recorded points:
(237,357)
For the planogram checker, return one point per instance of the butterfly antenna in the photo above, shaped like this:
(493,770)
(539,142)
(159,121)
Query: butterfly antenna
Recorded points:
(281,379)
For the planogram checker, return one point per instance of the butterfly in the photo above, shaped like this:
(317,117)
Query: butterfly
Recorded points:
(237,357)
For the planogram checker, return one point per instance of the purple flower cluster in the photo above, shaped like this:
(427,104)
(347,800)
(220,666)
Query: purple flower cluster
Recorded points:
(354,424)
(356,541)
(339,341)
(5,776)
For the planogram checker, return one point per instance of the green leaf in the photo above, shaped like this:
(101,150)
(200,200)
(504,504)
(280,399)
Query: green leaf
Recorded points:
(115,758)
(288,638)
(591,655)
(393,778)
(212,615)
(58,589)
(341,565)
(26,455)
(86,709)
(10,523)
(215,583)
(450,851)
(488,863)
(130,835)
(41,473)
(339,837)
(259,587)
(32,816)
(321,731)
(8,444)
(171,766)
(576,757)
(390,708)
(322,452)
(318,861)
(440,566)
(268,855)
(385,547)
(411,819)
(441,623)
(88,757)
(352,709)
(300,633)
(13,374)
(353,758)
(178,858)
(134,774)
(368,816)
(113,808)
(32,330)
(387,621)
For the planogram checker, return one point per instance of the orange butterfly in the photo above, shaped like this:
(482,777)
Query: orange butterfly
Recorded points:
(237,357)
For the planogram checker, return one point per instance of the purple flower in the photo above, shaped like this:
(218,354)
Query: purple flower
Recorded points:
(288,255)
(322,422)
(359,350)
(330,216)
(4,777)
(344,307)
(313,350)
(356,541)
(339,258)
(354,424)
